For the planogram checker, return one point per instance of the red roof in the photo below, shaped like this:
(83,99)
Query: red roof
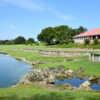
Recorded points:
(89,33)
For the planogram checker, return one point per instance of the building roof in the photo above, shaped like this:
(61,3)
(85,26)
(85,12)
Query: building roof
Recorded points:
(89,33)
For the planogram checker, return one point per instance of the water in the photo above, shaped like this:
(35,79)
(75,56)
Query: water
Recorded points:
(76,82)
(11,70)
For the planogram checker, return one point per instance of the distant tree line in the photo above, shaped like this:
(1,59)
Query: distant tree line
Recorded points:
(18,40)
(59,34)
(50,35)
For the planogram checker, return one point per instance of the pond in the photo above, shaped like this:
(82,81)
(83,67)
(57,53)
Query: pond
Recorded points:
(76,82)
(11,70)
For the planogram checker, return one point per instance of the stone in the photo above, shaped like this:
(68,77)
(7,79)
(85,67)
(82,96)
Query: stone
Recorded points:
(98,81)
(70,72)
(92,77)
(51,79)
(85,86)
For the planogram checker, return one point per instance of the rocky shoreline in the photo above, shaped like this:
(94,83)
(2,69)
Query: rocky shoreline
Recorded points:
(46,78)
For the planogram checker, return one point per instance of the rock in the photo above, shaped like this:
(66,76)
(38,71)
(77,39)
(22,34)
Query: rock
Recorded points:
(48,74)
(85,86)
(61,76)
(69,72)
(51,79)
(98,81)
(36,74)
(92,78)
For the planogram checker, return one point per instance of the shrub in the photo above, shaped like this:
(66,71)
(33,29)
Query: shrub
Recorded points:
(95,41)
(87,41)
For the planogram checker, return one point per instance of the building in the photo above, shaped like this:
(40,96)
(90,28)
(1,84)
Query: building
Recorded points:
(95,33)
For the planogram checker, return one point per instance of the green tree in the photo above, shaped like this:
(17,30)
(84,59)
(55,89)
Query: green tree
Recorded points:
(20,40)
(59,34)
(86,41)
(47,35)
(62,33)
(95,41)
(30,41)
(79,30)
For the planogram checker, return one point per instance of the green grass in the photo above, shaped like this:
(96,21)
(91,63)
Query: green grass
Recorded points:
(34,92)
(92,68)
(73,45)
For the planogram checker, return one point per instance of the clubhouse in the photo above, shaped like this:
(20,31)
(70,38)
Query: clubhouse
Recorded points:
(92,34)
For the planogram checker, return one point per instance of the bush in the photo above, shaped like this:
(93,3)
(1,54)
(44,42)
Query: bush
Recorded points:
(95,41)
(87,41)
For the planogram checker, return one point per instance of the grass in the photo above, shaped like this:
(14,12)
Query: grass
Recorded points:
(73,45)
(92,68)
(34,92)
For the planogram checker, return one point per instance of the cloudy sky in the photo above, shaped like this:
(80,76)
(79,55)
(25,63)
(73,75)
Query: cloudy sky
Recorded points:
(28,17)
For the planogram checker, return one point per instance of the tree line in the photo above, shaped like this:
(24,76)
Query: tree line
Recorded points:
(18,40)
(50,35)
(59,34)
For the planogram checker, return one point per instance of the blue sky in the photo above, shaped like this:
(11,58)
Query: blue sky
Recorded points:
(28,17)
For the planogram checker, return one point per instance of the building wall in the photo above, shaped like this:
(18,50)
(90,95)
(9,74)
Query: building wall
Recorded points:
(80,40)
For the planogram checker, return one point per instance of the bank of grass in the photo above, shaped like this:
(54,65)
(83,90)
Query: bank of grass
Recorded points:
(34,92)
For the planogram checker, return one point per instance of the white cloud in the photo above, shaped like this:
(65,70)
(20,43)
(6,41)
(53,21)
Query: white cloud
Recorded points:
(28,4)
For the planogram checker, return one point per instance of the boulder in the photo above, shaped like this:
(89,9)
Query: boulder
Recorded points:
(85,86)
(92,77)
(51,79)
(70,72)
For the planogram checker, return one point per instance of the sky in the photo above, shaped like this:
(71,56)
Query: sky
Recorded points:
(28,17)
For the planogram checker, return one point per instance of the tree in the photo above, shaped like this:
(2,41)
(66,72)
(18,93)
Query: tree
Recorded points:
(30,41)
(62,33)
(95,41)
(59,34)
(87,41)
(81,29)
(47,35)
(20,40)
